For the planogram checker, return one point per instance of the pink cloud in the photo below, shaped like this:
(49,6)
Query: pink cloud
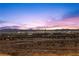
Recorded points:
(70,23)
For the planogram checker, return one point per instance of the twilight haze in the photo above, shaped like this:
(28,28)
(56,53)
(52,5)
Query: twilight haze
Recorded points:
(39,15)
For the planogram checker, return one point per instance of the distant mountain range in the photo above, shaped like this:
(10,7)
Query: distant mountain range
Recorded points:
(16,29)
(9,27)
(39,27)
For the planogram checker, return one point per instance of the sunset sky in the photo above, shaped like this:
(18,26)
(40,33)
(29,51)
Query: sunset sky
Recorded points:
(36,15)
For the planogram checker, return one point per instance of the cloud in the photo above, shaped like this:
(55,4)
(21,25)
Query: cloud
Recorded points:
(1,21)
(71,14)
(68,23)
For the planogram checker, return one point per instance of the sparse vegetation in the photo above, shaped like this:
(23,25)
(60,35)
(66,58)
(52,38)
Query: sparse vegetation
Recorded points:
(36,42)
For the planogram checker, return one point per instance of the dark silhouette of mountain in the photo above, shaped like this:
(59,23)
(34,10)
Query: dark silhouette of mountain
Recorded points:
(16,29)
(9,27)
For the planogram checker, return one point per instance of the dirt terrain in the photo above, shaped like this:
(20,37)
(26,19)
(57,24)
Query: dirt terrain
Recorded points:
(40,44)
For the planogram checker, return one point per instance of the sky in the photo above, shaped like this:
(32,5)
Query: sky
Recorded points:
(39,15)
